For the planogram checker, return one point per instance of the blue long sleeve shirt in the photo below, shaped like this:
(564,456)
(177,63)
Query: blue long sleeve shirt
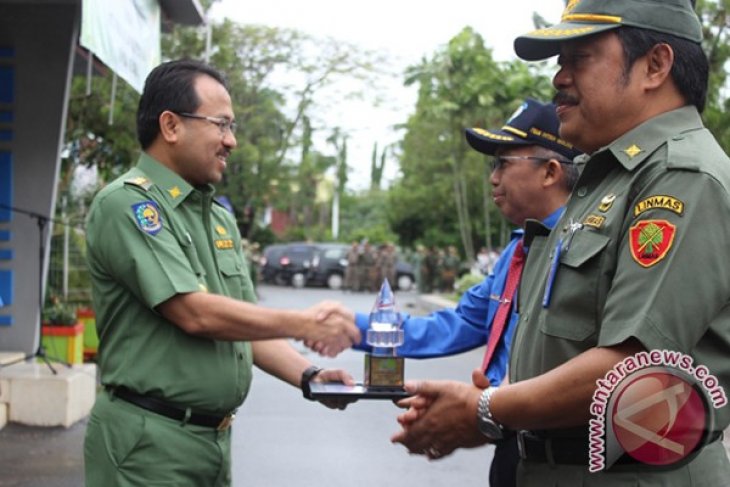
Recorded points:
(451,331)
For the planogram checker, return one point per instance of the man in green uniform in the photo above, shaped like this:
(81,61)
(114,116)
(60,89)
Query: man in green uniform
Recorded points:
(637,264)
(178,332)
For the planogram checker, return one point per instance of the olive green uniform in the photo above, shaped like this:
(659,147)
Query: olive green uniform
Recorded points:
(609,287)
(151,236)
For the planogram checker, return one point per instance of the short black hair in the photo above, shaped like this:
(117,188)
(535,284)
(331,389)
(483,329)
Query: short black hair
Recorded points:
(691,68)
(170,86)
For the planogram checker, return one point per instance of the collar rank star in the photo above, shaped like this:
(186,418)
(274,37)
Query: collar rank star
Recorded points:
(633,150)
(174,192)
(148,218)
(650,241)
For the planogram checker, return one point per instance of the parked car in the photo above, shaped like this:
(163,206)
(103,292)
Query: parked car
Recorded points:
(318,264)
(287,264)
(328,266)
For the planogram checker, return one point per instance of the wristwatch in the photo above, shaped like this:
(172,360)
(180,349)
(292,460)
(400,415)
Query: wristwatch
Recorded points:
(307,377)
(485,421)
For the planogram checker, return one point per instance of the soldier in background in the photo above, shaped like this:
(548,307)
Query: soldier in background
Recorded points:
(450,269)
(352,257)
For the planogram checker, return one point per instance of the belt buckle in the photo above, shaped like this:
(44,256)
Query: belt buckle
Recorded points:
(226,422)
(521,444)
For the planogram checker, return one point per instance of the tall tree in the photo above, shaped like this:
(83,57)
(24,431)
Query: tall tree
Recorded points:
(440,198)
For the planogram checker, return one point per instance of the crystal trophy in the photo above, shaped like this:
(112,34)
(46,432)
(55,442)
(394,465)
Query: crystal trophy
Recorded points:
(383,368)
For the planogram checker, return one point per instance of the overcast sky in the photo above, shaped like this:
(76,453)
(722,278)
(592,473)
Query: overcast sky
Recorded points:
(404,30)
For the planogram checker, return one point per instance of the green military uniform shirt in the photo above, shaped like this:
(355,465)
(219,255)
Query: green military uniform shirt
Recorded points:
(151,235)
(643,248)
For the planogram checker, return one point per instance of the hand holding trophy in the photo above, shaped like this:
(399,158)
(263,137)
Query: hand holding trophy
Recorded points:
(384,370)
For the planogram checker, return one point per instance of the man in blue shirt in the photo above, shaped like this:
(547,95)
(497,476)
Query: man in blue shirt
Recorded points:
(532,175)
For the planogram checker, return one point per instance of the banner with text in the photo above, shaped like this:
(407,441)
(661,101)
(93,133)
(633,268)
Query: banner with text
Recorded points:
(124,34)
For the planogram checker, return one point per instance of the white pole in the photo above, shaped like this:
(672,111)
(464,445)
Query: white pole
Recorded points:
(336,215)
(65,249)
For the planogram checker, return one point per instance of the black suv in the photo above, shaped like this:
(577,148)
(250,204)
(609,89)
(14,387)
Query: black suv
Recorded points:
(318,264)
(328,266)
(285,264)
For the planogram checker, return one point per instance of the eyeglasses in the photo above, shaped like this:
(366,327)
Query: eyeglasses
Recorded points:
(224,125)
(500,161)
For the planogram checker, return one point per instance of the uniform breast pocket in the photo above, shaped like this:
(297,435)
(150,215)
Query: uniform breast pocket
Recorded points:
(573,312)
(234,274)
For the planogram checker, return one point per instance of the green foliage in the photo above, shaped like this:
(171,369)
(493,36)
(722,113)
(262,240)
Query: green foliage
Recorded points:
(716,28)
(59,313)
(465,282)
(440,198)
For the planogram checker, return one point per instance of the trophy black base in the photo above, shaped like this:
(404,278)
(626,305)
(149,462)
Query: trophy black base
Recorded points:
(337,390)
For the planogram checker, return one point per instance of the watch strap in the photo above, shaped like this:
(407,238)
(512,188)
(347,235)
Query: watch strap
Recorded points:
(307,377)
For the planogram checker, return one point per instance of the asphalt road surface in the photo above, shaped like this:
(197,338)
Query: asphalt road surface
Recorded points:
(281,439)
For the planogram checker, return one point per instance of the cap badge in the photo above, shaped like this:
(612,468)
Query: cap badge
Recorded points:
(517,113)
(607,202)
(570,7)
(633,151)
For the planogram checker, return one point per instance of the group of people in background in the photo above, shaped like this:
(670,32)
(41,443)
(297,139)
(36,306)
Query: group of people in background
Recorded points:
(368,265)
(436,268)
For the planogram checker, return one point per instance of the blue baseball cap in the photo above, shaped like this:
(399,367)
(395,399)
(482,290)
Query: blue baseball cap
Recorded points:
(533,123)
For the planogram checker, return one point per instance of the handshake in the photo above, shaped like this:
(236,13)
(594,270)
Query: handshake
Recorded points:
(328,328)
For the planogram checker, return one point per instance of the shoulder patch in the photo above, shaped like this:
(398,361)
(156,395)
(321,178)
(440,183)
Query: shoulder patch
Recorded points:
(660,202)
(147,216)
(650,241)
(141,182)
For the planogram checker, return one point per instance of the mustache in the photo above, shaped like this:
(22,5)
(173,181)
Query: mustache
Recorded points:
(562,98)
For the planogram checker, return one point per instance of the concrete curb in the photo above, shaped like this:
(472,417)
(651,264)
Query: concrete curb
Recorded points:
(433,302)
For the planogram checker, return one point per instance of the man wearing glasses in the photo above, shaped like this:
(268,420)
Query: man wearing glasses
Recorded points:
(177,328)
(636,265)
(532,174)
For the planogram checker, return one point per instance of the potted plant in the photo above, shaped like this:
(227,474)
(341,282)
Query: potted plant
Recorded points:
(87,316)
(62,332)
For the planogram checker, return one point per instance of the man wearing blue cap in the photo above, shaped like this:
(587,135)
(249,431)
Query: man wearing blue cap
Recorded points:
(532,174)
(636,268)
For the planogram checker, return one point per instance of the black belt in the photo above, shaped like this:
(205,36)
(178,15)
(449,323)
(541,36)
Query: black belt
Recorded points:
(221,423)
(566,451)
(561,451)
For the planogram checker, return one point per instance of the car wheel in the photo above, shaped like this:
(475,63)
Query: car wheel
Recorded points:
(298,280)
(280,279)
(334,281)
(405,282)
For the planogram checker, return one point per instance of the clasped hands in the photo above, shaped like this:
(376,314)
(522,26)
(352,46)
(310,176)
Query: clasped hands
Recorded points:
(441,416)
(329,328)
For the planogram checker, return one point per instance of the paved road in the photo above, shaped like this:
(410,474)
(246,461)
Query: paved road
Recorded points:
(280,439)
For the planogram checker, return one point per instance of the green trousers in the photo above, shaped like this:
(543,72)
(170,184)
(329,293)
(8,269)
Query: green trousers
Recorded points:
(128,446)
